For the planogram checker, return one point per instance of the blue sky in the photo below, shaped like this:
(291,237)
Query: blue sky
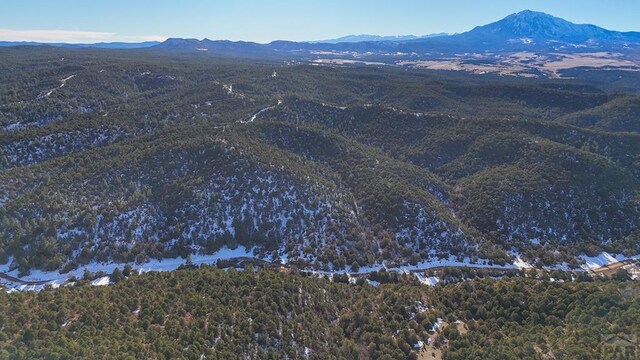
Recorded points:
(267,20)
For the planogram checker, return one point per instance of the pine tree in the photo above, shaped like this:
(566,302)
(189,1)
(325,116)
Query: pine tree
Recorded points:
(117,276)
(355,267)
(127,270)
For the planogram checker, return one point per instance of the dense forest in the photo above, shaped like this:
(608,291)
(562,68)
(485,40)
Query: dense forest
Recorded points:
(267,314)
(124,156)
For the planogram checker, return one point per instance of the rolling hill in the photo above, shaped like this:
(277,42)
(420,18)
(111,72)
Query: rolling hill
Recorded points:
(110,156)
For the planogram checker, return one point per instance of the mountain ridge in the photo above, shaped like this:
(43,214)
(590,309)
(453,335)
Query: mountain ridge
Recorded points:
(523,31)
(369,37)
(526,29)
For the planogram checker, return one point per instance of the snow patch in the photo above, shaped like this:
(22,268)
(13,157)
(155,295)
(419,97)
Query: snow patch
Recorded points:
(437,325)
(373,283)
(603,259)
(521,264)
(427,280)
(103,281)
(55,278)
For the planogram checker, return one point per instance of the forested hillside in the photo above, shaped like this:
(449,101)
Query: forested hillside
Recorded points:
(217,314)
(123,156)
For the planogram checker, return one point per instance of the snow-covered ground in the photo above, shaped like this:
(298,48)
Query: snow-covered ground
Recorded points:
(594,262)
(102,281)
(373,282)
(451,261)
(634,271)
(63,83)
(604,259)
(437,325)
(427,280)
(252,118)
(521,264)
(56,279)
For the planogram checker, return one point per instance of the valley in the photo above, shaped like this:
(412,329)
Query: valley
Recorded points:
(528,64)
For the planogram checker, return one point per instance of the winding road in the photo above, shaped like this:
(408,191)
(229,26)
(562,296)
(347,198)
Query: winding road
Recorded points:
(63,83)
(258,113)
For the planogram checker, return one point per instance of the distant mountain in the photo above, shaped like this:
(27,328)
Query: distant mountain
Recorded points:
(531,27)
(524,31)
(102,45)
(364,37)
